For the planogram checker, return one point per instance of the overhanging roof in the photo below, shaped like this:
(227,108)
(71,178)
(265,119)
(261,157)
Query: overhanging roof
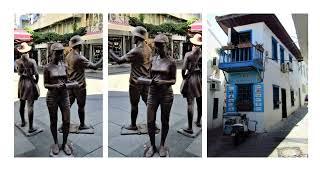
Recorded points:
(271,20)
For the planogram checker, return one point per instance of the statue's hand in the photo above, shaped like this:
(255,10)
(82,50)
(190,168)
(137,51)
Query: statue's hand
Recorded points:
(157,82)
(61,85)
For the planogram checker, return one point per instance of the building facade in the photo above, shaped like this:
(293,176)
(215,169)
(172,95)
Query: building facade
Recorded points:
(68,23)
(215,82)
(265,73)
(119,31)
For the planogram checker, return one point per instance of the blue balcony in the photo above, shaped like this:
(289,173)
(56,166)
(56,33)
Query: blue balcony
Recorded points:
(237,59)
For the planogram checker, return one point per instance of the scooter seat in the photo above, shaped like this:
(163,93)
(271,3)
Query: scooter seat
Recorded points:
(239,125)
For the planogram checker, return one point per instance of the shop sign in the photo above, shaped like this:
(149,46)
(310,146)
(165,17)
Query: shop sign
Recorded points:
(258,98)
(248,77)
(231,93)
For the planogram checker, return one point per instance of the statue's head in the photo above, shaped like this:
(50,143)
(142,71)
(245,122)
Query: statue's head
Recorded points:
(161,43)
(196,41)
(24,49)
(76,42)
(139,34)
(57,51)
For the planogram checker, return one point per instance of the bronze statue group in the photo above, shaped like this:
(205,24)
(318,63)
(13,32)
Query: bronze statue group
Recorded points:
(64,77)
(152,77)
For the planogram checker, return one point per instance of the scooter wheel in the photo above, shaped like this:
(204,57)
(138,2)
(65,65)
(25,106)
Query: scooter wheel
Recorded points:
(236,140)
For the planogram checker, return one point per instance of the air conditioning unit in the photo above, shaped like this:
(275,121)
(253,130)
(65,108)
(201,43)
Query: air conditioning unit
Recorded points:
(284,68)
(289,64)
(215,86)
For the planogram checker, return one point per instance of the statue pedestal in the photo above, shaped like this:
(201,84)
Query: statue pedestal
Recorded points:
(146,148)
(25,129)
(74,128)
(142,129)
(196,132)
(61,152)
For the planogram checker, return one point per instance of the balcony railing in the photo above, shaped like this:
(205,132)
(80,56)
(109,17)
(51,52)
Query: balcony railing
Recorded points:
(241,58)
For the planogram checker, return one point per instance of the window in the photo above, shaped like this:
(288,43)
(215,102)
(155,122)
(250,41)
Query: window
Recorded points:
(276,103)
(215,108)
(292,97)
(274,49)
(281,55)
(290,58)
(245,37)
(244,100)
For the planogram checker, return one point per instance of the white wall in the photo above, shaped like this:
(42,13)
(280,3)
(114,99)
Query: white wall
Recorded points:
(212,44)
(273,76)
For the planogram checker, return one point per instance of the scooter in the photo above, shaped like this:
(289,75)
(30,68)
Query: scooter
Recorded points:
(236,125)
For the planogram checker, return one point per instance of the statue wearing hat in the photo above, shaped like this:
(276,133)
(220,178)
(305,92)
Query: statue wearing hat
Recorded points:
(56,81)
(28,90)
(139,58)
(191,85)
(163,76)
(77,64)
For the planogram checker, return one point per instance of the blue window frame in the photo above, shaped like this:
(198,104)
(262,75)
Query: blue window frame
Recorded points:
(281,54)
(276,99)
(290,58)
(245,98)
(274,49)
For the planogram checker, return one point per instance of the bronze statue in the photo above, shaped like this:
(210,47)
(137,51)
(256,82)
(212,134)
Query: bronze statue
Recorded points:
(27,86)
(56,81)
(140,58)
(163,76)
(76,72)
(191,73)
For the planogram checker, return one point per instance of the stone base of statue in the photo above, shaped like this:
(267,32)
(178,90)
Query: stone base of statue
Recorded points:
(142,129)
(74,128)
(61,152)
(196,132)
(25,129)
(146,148)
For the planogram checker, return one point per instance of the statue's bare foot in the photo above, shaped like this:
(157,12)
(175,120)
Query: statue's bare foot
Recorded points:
(67,149)
(55,149)
(131,127)
(83,127)
(198,124)
(31,130)
(151,151)
(162,151)
(23,124)
(157,128)
(188,130)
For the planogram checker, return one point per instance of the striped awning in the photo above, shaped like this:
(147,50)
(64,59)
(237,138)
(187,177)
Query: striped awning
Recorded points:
(196,26)
(22,35)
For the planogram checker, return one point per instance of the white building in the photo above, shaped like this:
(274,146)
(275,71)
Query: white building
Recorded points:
(265,72)
(215,81)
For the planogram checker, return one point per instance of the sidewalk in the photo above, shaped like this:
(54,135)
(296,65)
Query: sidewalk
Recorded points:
(132,145)
(289,138)
(119,115)
(88,145)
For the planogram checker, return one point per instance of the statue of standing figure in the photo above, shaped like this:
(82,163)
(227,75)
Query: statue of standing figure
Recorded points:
(139,58)
(27,86)
(56,81)
(76,66)
(163,76)
(191,88)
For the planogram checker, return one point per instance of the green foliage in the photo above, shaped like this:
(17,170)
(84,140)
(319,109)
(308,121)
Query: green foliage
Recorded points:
(45,37)
(141,17)
(180,28)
